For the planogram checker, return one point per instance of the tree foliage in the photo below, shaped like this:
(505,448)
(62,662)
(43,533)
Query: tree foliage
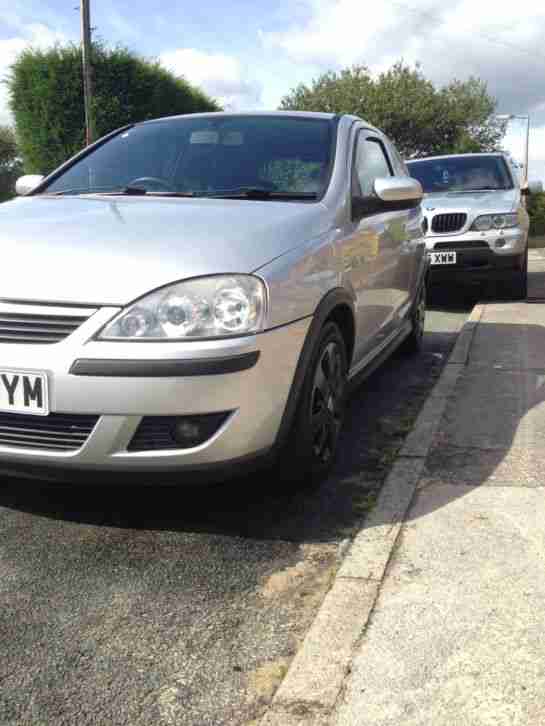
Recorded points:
(419,117)
(46,98)
(10,166)
(536,210)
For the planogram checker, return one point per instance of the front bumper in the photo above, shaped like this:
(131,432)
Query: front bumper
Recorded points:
(480,256)
(255,393)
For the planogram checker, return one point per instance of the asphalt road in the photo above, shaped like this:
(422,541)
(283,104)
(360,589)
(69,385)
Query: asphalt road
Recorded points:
(175,606)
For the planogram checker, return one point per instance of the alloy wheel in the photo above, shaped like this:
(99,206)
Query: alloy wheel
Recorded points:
(327,401)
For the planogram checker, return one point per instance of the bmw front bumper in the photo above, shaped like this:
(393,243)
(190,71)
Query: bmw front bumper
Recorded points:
(248,378)
(480,256)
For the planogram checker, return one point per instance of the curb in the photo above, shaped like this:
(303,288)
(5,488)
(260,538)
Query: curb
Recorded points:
(309,692)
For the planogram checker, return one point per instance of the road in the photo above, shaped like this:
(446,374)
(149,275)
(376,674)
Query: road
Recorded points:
(176,606)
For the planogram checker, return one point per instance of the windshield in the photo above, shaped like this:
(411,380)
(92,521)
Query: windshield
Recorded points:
(209,155)
(461,174)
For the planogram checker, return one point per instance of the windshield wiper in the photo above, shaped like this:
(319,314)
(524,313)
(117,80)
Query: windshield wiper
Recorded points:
(140,191)
(79,190)
(124,191)
(256,193)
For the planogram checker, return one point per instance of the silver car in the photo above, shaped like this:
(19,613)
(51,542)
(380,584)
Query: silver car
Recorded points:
(476,220)
(193,295)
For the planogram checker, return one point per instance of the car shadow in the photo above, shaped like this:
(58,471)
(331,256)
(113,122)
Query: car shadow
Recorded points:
(380,414)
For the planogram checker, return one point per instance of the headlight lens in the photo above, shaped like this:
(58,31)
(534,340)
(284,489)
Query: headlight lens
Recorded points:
(494,221)
(209,307)
(483,223)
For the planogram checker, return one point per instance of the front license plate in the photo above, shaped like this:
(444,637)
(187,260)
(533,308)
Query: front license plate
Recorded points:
(442,258)
(23,392)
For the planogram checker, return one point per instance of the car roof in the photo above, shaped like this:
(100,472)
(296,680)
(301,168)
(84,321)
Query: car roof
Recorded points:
(235,114)
(294,114)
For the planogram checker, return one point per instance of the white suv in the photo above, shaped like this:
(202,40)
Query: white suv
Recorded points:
(476,222)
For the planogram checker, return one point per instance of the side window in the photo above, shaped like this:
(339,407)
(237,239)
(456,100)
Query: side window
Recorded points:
(400,168)
(369,164)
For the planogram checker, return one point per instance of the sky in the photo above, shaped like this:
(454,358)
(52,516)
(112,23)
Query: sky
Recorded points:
(249,53)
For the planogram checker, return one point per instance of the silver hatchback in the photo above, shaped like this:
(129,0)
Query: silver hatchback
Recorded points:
(193,295)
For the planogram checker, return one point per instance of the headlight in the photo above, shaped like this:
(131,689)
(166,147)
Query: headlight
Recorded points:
(495,221)
(209,307)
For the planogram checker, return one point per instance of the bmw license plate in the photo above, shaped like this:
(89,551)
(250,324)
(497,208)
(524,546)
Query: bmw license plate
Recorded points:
(442,258)
(23,392)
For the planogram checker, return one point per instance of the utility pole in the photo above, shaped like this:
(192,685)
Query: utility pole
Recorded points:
(87,72)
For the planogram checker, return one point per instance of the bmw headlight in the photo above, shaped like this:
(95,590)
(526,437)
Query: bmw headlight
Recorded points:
(208,307)
(495,221)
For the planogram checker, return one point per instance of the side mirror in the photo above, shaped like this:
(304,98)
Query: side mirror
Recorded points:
(398,189)
(392,193)
(25,184)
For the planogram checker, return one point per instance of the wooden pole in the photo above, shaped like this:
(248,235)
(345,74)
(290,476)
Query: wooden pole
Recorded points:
(87,72)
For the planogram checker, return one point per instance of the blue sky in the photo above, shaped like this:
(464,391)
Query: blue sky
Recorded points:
(248,53)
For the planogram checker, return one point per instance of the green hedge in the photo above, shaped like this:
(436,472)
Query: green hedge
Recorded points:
(10,166)
(46,98)
(536,210)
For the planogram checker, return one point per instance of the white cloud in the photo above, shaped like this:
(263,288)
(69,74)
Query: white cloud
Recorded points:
(36,35)
(221,76)
(489,39)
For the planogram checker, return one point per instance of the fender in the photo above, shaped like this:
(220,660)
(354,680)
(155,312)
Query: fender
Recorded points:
(422,280)
(335,297)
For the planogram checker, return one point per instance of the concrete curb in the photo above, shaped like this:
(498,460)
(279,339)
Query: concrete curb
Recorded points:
(314,680)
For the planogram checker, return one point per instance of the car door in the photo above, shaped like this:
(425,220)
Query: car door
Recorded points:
(371,250)
(410,241)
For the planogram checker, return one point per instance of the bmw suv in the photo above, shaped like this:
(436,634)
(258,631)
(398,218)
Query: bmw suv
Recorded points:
(476,222)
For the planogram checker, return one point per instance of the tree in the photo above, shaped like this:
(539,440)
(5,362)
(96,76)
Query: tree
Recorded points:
(536,210)
(420,118)
(46,99)
(10,166)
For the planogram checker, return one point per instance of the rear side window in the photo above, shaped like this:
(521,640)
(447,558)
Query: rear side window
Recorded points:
(370,163)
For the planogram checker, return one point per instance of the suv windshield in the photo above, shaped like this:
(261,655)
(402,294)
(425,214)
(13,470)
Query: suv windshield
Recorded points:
(461,174)
(254,156)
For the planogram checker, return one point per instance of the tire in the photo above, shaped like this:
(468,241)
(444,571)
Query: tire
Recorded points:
(518,285)
(414,342)
(311,448)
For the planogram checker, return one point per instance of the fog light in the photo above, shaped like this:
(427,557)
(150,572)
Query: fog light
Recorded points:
(500,243)
(156,433)
(187,431)
(192,431)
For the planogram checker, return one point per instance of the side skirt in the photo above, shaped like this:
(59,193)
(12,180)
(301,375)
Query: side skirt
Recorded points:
(365,369)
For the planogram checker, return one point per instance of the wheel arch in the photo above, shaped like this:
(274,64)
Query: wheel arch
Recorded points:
(336,306)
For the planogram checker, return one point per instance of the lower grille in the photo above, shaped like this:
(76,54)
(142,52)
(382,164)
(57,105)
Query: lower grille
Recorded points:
(444,223)
(57,431)
(467,245)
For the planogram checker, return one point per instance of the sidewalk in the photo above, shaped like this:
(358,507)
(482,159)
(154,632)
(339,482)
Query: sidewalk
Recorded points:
(457,634)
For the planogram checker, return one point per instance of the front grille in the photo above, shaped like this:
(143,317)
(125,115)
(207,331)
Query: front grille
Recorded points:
(476,244)
(30,328)
(57,431)
(444,223)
